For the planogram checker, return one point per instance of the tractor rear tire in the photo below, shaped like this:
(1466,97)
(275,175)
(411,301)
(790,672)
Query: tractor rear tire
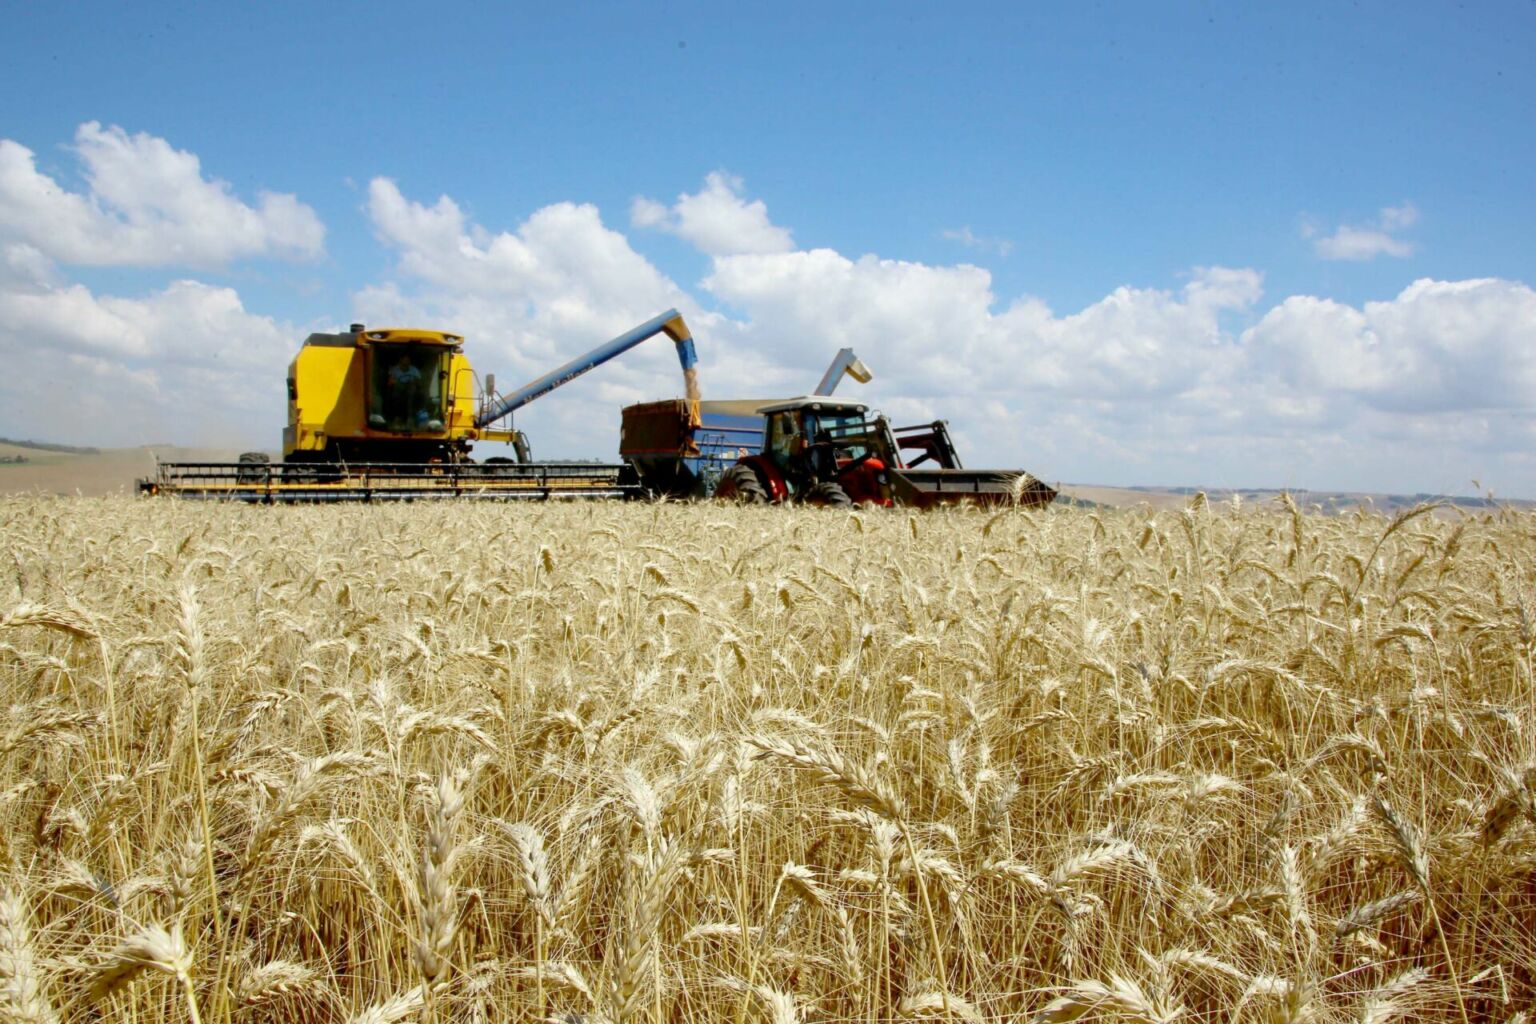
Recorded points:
(827,495)
(741,485)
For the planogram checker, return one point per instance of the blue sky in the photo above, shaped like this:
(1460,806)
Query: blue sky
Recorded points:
(1106,169)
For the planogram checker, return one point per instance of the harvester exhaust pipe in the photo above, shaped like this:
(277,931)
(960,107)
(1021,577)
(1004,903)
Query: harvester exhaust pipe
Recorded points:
(670,323)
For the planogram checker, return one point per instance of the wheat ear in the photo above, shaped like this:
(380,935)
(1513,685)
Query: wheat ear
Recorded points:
(20,980)
(437,896)
(151,948)
(272,980)
(395,1008)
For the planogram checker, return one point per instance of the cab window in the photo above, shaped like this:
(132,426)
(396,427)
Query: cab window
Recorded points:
(783,432)
(847,432)
(406,388)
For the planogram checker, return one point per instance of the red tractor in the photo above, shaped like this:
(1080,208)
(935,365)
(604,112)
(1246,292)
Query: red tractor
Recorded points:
(821,451)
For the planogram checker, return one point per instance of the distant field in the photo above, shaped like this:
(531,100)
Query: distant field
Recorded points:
(108,471)
(670,763)
(116,470)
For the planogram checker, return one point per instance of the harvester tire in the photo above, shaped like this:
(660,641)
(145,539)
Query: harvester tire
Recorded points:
(497,466)
(258,471)
(741,485)
(303,471)
(827,495)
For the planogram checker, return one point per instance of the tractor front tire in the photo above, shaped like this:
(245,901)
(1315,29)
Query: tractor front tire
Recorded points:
(827,495)
(741,485)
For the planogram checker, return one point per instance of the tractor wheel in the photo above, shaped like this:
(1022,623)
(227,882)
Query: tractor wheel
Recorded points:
(498,466)
(827,495)
(253,468)
(740,484)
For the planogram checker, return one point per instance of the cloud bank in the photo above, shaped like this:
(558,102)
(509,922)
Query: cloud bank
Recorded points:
(145,205)
(1207,381)
(184,362)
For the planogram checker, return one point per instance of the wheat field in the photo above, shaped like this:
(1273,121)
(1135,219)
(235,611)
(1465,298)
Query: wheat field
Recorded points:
(644,763)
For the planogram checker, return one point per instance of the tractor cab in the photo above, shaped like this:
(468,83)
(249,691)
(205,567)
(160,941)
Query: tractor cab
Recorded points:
(821,449)
(821,432)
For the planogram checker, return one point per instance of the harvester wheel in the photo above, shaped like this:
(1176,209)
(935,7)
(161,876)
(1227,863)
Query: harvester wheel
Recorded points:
(827,495)
(258,463)
(303,471)
(497,466)
(740,484)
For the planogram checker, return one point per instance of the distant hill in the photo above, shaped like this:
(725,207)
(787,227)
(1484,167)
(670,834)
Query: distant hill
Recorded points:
(45,446)
(1326,501)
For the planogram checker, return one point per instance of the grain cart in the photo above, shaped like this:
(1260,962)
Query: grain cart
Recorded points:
(392,414)
(824,451)
(682,450)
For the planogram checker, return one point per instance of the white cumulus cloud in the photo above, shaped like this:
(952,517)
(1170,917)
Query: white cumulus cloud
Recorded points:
(1437,347)
(1201,383)
(968,238)
(528,300)
(146,204)
(1361,242)
(936,331)
(187,363)
(716,219)
(562,269)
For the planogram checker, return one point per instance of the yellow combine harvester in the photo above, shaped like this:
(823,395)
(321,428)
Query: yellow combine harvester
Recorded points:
(393,395)
(391,414)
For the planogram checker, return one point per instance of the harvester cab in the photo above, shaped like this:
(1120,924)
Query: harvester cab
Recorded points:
(407,388)
(393,395)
